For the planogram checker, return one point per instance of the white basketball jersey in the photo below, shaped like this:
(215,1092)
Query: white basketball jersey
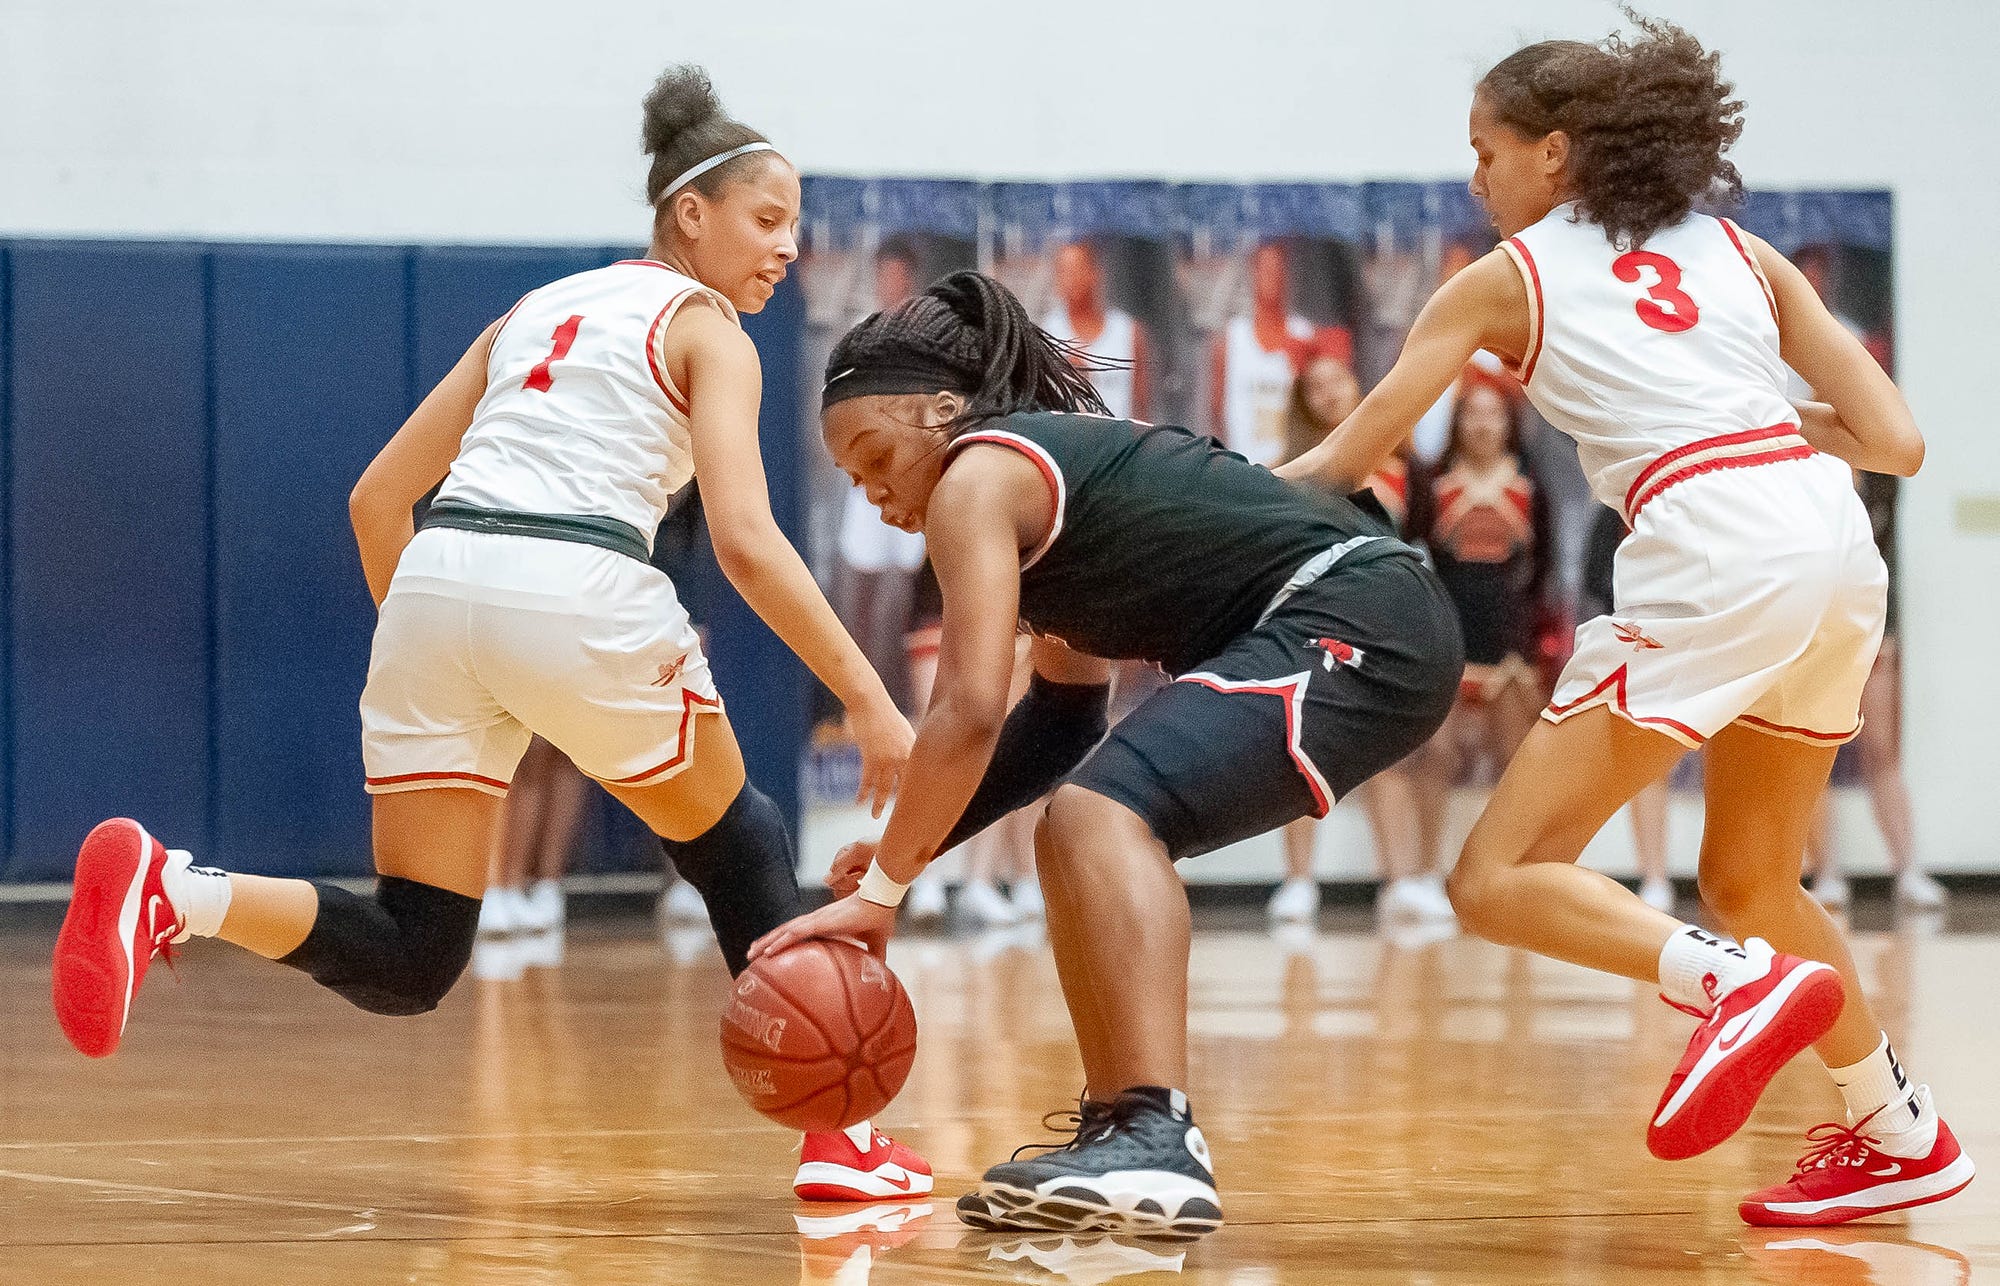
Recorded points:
(1637,353)
(580,416)
(1256,390)
(1118,341)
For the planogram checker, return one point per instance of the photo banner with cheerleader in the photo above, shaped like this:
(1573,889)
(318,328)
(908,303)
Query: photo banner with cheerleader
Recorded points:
(1253,312)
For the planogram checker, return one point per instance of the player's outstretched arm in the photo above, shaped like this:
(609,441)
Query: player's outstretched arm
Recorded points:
(414,461)
(1485,306)
(1055,724)
(724,381)
(1861,415)
(974,530)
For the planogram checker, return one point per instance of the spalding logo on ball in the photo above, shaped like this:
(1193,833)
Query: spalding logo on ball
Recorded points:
(819,1036)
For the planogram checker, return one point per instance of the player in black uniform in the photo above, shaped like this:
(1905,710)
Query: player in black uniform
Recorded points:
(1312,649)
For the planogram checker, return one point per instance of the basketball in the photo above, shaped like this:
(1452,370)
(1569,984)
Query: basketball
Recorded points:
(819,1036)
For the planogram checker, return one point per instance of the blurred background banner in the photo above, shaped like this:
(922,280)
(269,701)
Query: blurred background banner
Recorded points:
(184,633)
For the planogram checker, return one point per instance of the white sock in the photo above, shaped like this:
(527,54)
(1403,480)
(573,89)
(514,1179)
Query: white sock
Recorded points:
(861,1134)
(200,894)
(1905,1121)
(1697,968)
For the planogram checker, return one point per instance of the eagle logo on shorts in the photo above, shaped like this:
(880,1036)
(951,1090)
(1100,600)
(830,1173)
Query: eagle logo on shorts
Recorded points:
(1635,636)
(668,673)
(1337,653)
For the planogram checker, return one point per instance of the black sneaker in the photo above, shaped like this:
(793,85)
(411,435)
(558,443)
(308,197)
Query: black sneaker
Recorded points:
(1138,1165)
(1085,1118)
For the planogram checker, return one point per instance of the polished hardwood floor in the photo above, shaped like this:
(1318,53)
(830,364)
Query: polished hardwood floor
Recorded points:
(1444,1113)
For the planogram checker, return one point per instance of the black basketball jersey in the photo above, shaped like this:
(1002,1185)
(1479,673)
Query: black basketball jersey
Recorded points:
(1165,545)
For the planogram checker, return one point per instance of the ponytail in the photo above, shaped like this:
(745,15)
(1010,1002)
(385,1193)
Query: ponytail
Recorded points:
(965,334)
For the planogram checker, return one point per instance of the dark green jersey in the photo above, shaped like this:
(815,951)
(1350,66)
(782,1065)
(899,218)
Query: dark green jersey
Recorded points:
(1165,546)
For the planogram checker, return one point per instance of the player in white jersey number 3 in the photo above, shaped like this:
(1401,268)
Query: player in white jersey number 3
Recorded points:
(527,604)
(1749,597)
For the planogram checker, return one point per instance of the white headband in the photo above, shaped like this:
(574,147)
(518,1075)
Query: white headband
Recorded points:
(713,161)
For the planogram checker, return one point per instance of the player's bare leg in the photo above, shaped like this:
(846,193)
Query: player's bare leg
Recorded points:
(1518,883)
(1118,919)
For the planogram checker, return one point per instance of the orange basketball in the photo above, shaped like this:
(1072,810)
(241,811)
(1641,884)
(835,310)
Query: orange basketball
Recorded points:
(819,1036)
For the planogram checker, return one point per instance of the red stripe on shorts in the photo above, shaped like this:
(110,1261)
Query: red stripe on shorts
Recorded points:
(689,700)
(1768,726)
(1642,488)
(436,776)
(1616,685)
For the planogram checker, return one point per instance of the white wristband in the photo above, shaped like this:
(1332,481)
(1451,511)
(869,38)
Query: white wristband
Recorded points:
(880,889)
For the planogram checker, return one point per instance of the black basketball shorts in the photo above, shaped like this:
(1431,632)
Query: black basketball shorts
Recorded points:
(1344,679)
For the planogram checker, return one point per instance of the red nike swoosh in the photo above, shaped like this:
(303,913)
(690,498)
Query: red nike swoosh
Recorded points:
(903,1183)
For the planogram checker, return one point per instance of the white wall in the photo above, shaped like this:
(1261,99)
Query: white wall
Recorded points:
(506,120)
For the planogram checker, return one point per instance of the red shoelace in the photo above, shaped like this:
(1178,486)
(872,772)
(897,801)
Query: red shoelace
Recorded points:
(1836,1144)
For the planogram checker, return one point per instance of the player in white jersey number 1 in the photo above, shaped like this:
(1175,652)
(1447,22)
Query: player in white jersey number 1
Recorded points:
(527,605)
(1749,596)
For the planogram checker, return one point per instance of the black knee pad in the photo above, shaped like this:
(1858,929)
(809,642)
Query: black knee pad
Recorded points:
(395,953)
(742,867)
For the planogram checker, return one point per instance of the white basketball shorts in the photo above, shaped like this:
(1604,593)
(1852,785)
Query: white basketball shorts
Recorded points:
(485,639)
(1745,595)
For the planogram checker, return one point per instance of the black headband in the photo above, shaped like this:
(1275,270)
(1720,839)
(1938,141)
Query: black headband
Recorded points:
(905,376)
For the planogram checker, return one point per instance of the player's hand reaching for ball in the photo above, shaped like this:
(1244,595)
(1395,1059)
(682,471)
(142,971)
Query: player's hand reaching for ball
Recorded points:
(884,738)
(849,865)
(852,917)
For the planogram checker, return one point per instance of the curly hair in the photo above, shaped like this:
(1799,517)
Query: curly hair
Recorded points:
(1649,121)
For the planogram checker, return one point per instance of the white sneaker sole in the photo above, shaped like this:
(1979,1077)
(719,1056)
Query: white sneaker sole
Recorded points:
(1879,1199)
(1740,1035)
(863,1185)
(1139,1203)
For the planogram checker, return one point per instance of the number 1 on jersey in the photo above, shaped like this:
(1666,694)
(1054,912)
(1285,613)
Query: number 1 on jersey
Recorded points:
(1666,307)
(540,378)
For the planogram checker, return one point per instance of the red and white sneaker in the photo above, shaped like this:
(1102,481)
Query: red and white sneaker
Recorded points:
(1756,1028)
(833,1168)
(119,919)
(1844,1176)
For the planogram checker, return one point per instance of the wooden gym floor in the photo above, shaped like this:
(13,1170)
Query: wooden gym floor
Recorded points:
(1439,1114)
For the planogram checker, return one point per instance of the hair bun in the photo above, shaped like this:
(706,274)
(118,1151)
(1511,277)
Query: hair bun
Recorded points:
(681,99)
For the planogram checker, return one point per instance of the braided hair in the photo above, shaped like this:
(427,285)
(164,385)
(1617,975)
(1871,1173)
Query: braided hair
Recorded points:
(965,334)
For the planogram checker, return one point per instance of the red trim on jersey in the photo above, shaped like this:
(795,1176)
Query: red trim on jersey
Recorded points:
(1534,353)
(436,776)
(1770,300)
(689,700)
(1292,692)
(1615,686)
(1050,474)
(1765,725)
(641,263)
(1644,483)
(678,402)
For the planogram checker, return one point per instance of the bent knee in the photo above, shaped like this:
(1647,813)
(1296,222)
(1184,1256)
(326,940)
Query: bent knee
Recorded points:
(1734,894)
(1470,889)
(1078,818)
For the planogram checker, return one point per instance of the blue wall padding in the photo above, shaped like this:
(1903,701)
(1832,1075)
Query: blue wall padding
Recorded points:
(108,502)
(310,379)
(184,627)
(6,564)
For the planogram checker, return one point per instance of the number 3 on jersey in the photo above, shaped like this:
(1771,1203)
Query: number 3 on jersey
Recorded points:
(540,378)
(1666,307)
